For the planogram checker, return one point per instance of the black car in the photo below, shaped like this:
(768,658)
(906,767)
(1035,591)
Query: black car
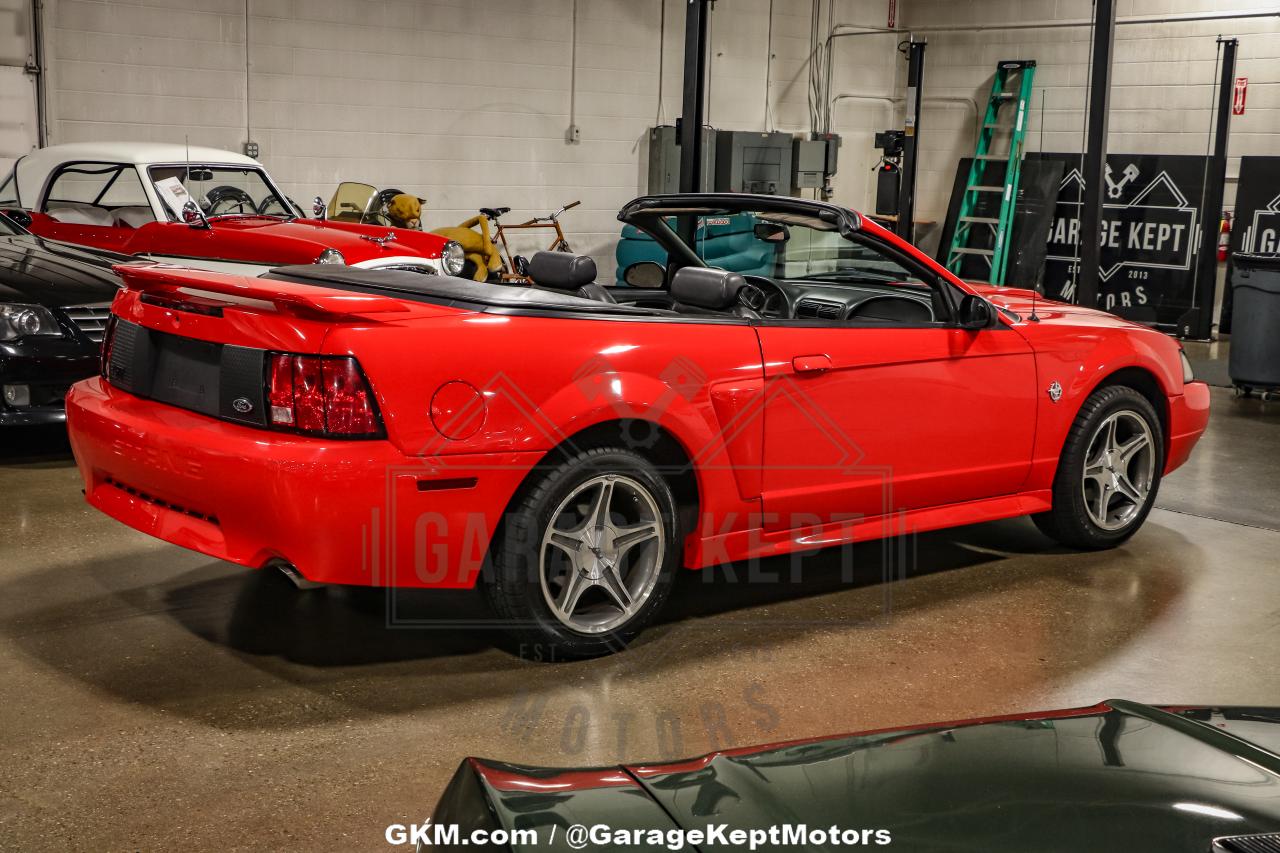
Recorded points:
(54,303)
(1117,776)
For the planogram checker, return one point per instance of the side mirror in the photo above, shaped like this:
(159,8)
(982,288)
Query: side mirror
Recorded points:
(194,216)
(772,232)
(647,274)
(318,208)
(976,313)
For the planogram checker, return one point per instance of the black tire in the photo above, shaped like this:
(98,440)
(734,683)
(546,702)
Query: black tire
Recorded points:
(513,583)
(1070,521)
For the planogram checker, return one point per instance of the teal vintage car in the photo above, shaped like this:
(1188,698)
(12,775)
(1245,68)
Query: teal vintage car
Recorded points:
(1117,776)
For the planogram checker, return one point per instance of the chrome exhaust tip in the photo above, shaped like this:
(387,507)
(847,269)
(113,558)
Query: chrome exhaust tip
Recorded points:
(296,578)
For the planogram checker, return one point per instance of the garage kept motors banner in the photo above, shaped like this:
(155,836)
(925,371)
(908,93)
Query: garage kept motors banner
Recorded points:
(1257,212)
(1257,217)
(1150,236)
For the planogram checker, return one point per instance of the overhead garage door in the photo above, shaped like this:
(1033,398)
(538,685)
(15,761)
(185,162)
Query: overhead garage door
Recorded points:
(17,88)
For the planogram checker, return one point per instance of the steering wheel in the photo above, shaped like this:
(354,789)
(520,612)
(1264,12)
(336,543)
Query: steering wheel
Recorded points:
(227,199)
(377,212)
(763,297)
(273,206)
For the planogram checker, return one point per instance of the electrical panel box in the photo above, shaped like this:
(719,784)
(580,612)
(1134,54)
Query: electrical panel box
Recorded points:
(809,157)
(753,162)
(664,160)
(814,162)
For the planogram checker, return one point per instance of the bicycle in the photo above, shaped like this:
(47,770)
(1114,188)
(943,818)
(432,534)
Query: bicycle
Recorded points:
(515,267)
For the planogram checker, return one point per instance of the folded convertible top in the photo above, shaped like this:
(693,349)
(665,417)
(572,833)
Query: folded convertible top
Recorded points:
(447,290)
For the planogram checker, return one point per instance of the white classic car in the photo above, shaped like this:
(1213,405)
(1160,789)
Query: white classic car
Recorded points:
(199,207)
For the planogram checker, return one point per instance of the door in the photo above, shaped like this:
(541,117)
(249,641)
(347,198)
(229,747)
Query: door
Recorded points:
(879,408)
(865,421)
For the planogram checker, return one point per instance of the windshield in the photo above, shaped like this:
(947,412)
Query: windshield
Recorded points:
(223,190)
(7,228)
(788,246)
(351,202)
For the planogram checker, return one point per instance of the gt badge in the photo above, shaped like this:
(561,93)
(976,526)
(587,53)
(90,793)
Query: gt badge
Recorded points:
(1055,392)
(242,405)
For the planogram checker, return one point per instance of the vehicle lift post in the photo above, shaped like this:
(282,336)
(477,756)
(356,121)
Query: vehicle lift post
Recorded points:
(911,140)
(694,109)
(1200,326)
(1095,154)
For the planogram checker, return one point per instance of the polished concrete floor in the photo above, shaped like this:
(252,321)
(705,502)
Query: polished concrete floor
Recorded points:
(153,699)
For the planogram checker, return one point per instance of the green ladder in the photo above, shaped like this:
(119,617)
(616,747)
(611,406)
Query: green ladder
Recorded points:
(978,232)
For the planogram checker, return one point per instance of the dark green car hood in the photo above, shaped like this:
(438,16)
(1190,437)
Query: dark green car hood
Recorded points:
(1117,776)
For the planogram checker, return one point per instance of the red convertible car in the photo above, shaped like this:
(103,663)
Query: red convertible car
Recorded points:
(570,446)
(198,206)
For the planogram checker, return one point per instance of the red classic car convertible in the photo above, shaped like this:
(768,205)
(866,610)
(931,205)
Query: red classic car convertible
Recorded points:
(569,446)
(199,206)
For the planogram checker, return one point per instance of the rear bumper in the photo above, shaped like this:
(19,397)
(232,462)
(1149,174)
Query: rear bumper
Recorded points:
(354,512)
(1188,417)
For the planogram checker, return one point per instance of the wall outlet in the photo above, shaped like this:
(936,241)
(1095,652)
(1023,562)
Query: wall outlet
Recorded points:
(573,135)
(251,149)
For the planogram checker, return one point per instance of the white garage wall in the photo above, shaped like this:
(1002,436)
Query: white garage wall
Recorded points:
(1162,85)
(465,104)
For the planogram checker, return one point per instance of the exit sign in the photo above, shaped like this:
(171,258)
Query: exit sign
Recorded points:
(1239,96)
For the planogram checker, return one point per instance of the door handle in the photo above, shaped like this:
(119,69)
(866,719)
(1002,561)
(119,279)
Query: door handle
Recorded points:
(811,364)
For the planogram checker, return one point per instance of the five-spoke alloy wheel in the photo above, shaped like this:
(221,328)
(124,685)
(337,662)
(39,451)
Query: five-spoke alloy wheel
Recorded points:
(1119,470)
(586,554)
(1109,471)
(602,553)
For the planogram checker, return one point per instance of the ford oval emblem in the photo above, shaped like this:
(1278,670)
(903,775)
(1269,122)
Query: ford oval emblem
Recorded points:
(242,405)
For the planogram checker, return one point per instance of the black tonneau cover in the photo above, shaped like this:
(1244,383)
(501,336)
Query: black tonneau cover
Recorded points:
(447,290)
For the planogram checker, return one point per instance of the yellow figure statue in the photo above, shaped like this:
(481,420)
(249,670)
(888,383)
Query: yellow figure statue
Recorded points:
(405,211)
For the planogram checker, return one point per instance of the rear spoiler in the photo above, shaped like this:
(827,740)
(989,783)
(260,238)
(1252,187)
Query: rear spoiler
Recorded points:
(304,300)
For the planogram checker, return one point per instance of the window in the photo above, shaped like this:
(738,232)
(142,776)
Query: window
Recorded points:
(793,247)
(225,190)
(96,185)
(826,256)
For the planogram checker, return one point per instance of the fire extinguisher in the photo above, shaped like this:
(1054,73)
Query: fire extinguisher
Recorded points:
(1224,237)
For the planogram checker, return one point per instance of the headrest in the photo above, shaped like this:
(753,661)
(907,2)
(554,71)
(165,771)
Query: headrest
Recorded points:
(561,270)
(706,288)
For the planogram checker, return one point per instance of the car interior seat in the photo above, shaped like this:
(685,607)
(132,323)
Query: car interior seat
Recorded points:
(699,290)
(81,214)
(575,274)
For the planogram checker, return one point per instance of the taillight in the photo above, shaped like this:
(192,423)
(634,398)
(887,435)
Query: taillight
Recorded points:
(348,409)
(320,394)
(104,361)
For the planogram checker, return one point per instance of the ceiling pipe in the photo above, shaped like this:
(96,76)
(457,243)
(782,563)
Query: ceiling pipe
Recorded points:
(839,30)
(894,100)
